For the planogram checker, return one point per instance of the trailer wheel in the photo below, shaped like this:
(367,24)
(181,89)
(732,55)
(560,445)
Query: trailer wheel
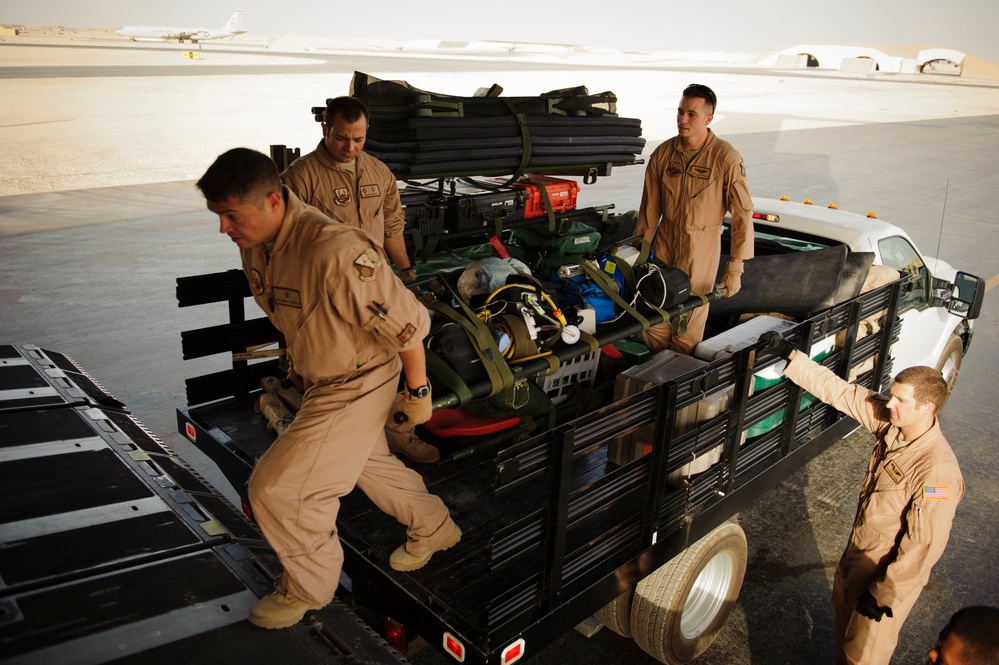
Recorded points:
(616,615)
(679,609)
(950,362)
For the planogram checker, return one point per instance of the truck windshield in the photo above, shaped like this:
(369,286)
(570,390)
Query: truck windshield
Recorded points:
(773,241)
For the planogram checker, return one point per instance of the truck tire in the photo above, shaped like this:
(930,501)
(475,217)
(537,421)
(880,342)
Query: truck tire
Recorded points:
(679,609)
(616,615)
(950,362)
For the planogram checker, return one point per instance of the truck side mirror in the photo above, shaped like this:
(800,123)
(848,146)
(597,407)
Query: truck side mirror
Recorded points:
(966,296)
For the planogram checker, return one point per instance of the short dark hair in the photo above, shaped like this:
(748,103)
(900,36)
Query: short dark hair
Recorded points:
(978,628)
(351,109)
(702,92)
(927,385)
(243,174)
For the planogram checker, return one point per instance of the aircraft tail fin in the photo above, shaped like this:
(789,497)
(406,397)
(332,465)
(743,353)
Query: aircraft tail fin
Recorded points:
(235,21)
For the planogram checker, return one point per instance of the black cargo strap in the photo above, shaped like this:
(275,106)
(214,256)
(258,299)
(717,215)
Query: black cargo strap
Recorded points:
(609,286)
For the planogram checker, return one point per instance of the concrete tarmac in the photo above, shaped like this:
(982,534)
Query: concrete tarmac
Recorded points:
(89,270)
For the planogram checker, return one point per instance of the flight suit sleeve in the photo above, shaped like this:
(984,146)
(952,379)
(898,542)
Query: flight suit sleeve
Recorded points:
(392,213)
(740,205)
(295,178)
(843,396)
(928,522)
(370,296)
(650,210)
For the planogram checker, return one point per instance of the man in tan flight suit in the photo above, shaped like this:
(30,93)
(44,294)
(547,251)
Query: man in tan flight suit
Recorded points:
(355,188)
(906,507)
(691,181)
(350,325)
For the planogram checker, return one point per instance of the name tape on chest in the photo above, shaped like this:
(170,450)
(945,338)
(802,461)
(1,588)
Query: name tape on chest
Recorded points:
(287,297)
(370,191)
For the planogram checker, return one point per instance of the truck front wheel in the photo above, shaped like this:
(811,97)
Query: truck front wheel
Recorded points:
(678,610)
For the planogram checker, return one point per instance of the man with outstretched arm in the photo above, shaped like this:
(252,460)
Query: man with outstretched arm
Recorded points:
(907,502)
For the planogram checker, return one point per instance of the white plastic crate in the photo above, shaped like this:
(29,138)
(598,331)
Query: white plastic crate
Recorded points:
(582,370)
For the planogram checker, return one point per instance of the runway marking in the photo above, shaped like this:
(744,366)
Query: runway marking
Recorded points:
(991,282)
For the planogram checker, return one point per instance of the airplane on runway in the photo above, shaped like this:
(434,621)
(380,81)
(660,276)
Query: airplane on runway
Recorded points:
(149,33)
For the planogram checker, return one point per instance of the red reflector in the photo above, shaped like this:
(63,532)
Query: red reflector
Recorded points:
(454,647)
(395,633)
(514,652)
(189,430)
(247,510)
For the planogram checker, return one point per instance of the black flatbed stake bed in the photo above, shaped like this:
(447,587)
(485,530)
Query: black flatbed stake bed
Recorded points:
(553,529)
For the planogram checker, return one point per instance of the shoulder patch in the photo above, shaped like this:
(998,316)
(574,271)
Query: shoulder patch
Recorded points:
(256,282)
(936,492)
(366,265)
(342,197)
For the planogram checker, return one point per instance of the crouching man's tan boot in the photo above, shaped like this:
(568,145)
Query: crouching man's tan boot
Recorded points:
(403,439)
(280,610)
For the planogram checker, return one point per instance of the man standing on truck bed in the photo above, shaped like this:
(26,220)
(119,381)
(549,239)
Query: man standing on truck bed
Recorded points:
(691,181)
(355,188)
(906,506)
(350,325)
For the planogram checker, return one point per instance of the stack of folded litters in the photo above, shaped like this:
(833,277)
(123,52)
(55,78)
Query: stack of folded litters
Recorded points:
(429,135)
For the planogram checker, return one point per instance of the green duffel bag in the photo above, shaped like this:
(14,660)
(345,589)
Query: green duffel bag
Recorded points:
(546,252)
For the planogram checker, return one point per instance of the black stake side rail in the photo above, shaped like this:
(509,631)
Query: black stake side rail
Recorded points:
(596,533)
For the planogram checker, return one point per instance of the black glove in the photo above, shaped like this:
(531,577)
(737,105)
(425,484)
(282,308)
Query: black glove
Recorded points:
(867,605)
(773,341)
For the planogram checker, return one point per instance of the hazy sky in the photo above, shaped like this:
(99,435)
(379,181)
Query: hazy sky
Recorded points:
(746,26)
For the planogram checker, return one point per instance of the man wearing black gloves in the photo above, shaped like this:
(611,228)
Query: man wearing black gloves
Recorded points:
(906,506)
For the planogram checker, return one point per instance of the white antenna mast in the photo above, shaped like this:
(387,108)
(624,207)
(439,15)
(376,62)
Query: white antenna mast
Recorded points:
(943,213)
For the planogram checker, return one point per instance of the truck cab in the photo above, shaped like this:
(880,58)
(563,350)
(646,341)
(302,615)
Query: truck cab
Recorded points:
(938,323)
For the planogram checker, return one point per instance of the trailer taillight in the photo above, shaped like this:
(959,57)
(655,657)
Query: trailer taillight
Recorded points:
(454,647)
(766,217)
(514,652)
(395,634)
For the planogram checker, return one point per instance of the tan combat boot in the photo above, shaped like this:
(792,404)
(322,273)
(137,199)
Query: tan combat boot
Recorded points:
(403,439)
(279,418)
(291,397)
(401,559)
(280,610)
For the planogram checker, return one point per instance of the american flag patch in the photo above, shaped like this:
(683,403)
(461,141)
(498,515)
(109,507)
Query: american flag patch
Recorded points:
(936,492)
